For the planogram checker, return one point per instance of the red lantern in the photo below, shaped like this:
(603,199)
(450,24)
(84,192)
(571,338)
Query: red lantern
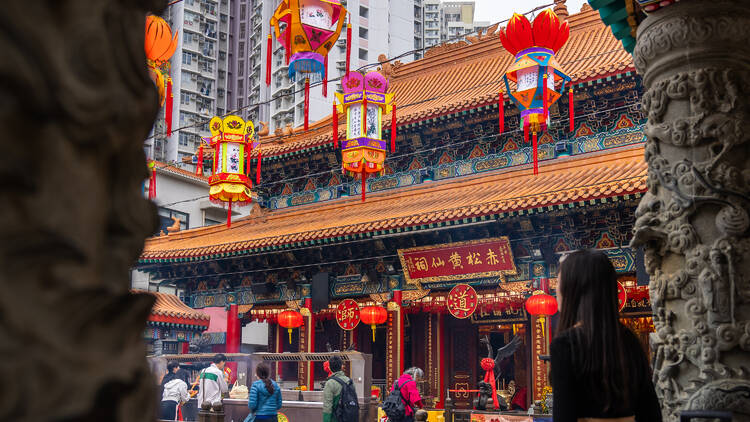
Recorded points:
(372,316)
(541,305)
(290,320)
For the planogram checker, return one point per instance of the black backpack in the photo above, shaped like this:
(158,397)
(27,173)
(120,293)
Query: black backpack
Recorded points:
(347,410)
(393,406)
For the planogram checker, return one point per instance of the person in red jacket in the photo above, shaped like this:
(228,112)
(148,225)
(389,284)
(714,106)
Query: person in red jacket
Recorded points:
(409,392)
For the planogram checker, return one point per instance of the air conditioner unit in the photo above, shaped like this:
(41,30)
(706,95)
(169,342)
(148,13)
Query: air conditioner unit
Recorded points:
(193,77)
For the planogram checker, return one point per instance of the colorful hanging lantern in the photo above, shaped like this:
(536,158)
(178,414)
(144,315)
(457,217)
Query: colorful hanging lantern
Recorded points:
(290,320)
(364,151)
(231,137)
(311,27)
(373,316)
(541,305)
(159,47)
(535,72)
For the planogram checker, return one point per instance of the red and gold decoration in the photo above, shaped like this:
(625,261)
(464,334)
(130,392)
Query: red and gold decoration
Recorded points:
(535,72)
(159,46)
(488,366)
(622,296)
(290,320)
(347,314)
(458,261)
(541,305)
(365,100)
(373,316)
(152,180)
(462,301)
(231,139)
(310,28)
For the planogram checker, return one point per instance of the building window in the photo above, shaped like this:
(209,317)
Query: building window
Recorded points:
(184,98)
(165,219)
(186,57)
(184,138)
(363,33)
(242,30)
(243,11)
(362,54)
(364,12)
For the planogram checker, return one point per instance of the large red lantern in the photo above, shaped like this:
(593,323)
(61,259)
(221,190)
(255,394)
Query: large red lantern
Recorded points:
(290,320)
(372,316)
(541,304)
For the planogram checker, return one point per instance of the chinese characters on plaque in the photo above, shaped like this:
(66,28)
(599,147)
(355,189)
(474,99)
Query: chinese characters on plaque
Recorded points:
(458,261)
(347,314)
(462,301)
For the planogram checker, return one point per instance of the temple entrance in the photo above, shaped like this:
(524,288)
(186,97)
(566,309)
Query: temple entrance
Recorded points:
(462,362)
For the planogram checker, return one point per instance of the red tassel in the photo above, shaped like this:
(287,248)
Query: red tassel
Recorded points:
(348,46)
(288,52)
(199,166)
(393,130)
(325,76)
(364,183)
(335,117)
(544,96)
(534,151)
(571,110)
(307,103)
(257,170)
(229,215)
(269,58)
(501,113)
(152,185)
(168,107)
(364,113)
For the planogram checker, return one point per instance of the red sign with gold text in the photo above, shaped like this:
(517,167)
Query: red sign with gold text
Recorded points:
(462,301)
(622,296)
(458,261)
(347,314)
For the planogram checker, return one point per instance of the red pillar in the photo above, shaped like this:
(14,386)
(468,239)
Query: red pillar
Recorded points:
(310,331)
(185,348)
(398,298)
(234,338)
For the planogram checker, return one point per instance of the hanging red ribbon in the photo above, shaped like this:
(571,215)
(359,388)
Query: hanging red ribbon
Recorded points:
(257,170)
(534,151)
(571,110)
(168,107)
(544,97)
(364,183)
(325,76)
(288,50)
(489,377)
(199,165)
(335,128)
(393,129)
(501,113)
(152,184)
(348,46)
(364,113)
(269,58)
(307,103)
(229,215)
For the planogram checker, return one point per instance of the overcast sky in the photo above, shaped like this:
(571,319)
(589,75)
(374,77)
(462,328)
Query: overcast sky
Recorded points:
(498,10)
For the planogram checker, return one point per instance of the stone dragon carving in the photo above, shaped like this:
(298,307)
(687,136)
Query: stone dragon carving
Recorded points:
(76,104)
(694,219)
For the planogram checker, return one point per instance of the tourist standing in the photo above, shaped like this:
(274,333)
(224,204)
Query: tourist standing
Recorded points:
(407,386)
(211,381)
(599,368)
(175,392)
(264,399)
(339,397)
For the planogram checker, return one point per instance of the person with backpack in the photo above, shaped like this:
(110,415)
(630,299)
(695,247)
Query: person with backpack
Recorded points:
(264,399)
(404,398)
(340,403)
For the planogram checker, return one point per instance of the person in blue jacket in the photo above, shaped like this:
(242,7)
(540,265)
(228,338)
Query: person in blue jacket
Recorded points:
(264,399)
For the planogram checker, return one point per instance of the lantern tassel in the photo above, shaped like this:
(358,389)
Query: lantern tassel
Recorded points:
(373,332)
(229,215)
(307,103)
(571,109)
(269,58)
(364,113)
(534,150)
(289,330)
(393,130)
(168,107)
(335,118)
(364,183)
(325,76)
(545,104)
(257,170)
(348,45)
(501,113)
(199,166)
(152,184)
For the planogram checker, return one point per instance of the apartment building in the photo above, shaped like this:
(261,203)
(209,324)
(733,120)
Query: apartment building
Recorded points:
(447,20)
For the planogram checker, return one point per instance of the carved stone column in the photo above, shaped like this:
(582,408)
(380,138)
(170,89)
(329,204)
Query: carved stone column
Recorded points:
(695,60)
(76,104)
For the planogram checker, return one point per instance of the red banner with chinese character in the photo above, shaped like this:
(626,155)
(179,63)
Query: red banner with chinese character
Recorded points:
(458,261)
(347,314)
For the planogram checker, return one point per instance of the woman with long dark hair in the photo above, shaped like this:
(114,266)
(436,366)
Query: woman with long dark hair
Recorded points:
(174,392)
(264,399)
(599,369)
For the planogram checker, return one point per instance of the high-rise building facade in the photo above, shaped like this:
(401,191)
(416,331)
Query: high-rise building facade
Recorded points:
(448,20)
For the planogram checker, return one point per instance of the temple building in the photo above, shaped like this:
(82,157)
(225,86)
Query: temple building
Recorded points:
(455,235)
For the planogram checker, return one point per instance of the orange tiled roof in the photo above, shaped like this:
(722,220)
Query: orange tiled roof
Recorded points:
(173,169)
(169,308)
(461,76)
(564,180)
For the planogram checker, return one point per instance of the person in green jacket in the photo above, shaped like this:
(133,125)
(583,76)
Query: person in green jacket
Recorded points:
(332,389)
